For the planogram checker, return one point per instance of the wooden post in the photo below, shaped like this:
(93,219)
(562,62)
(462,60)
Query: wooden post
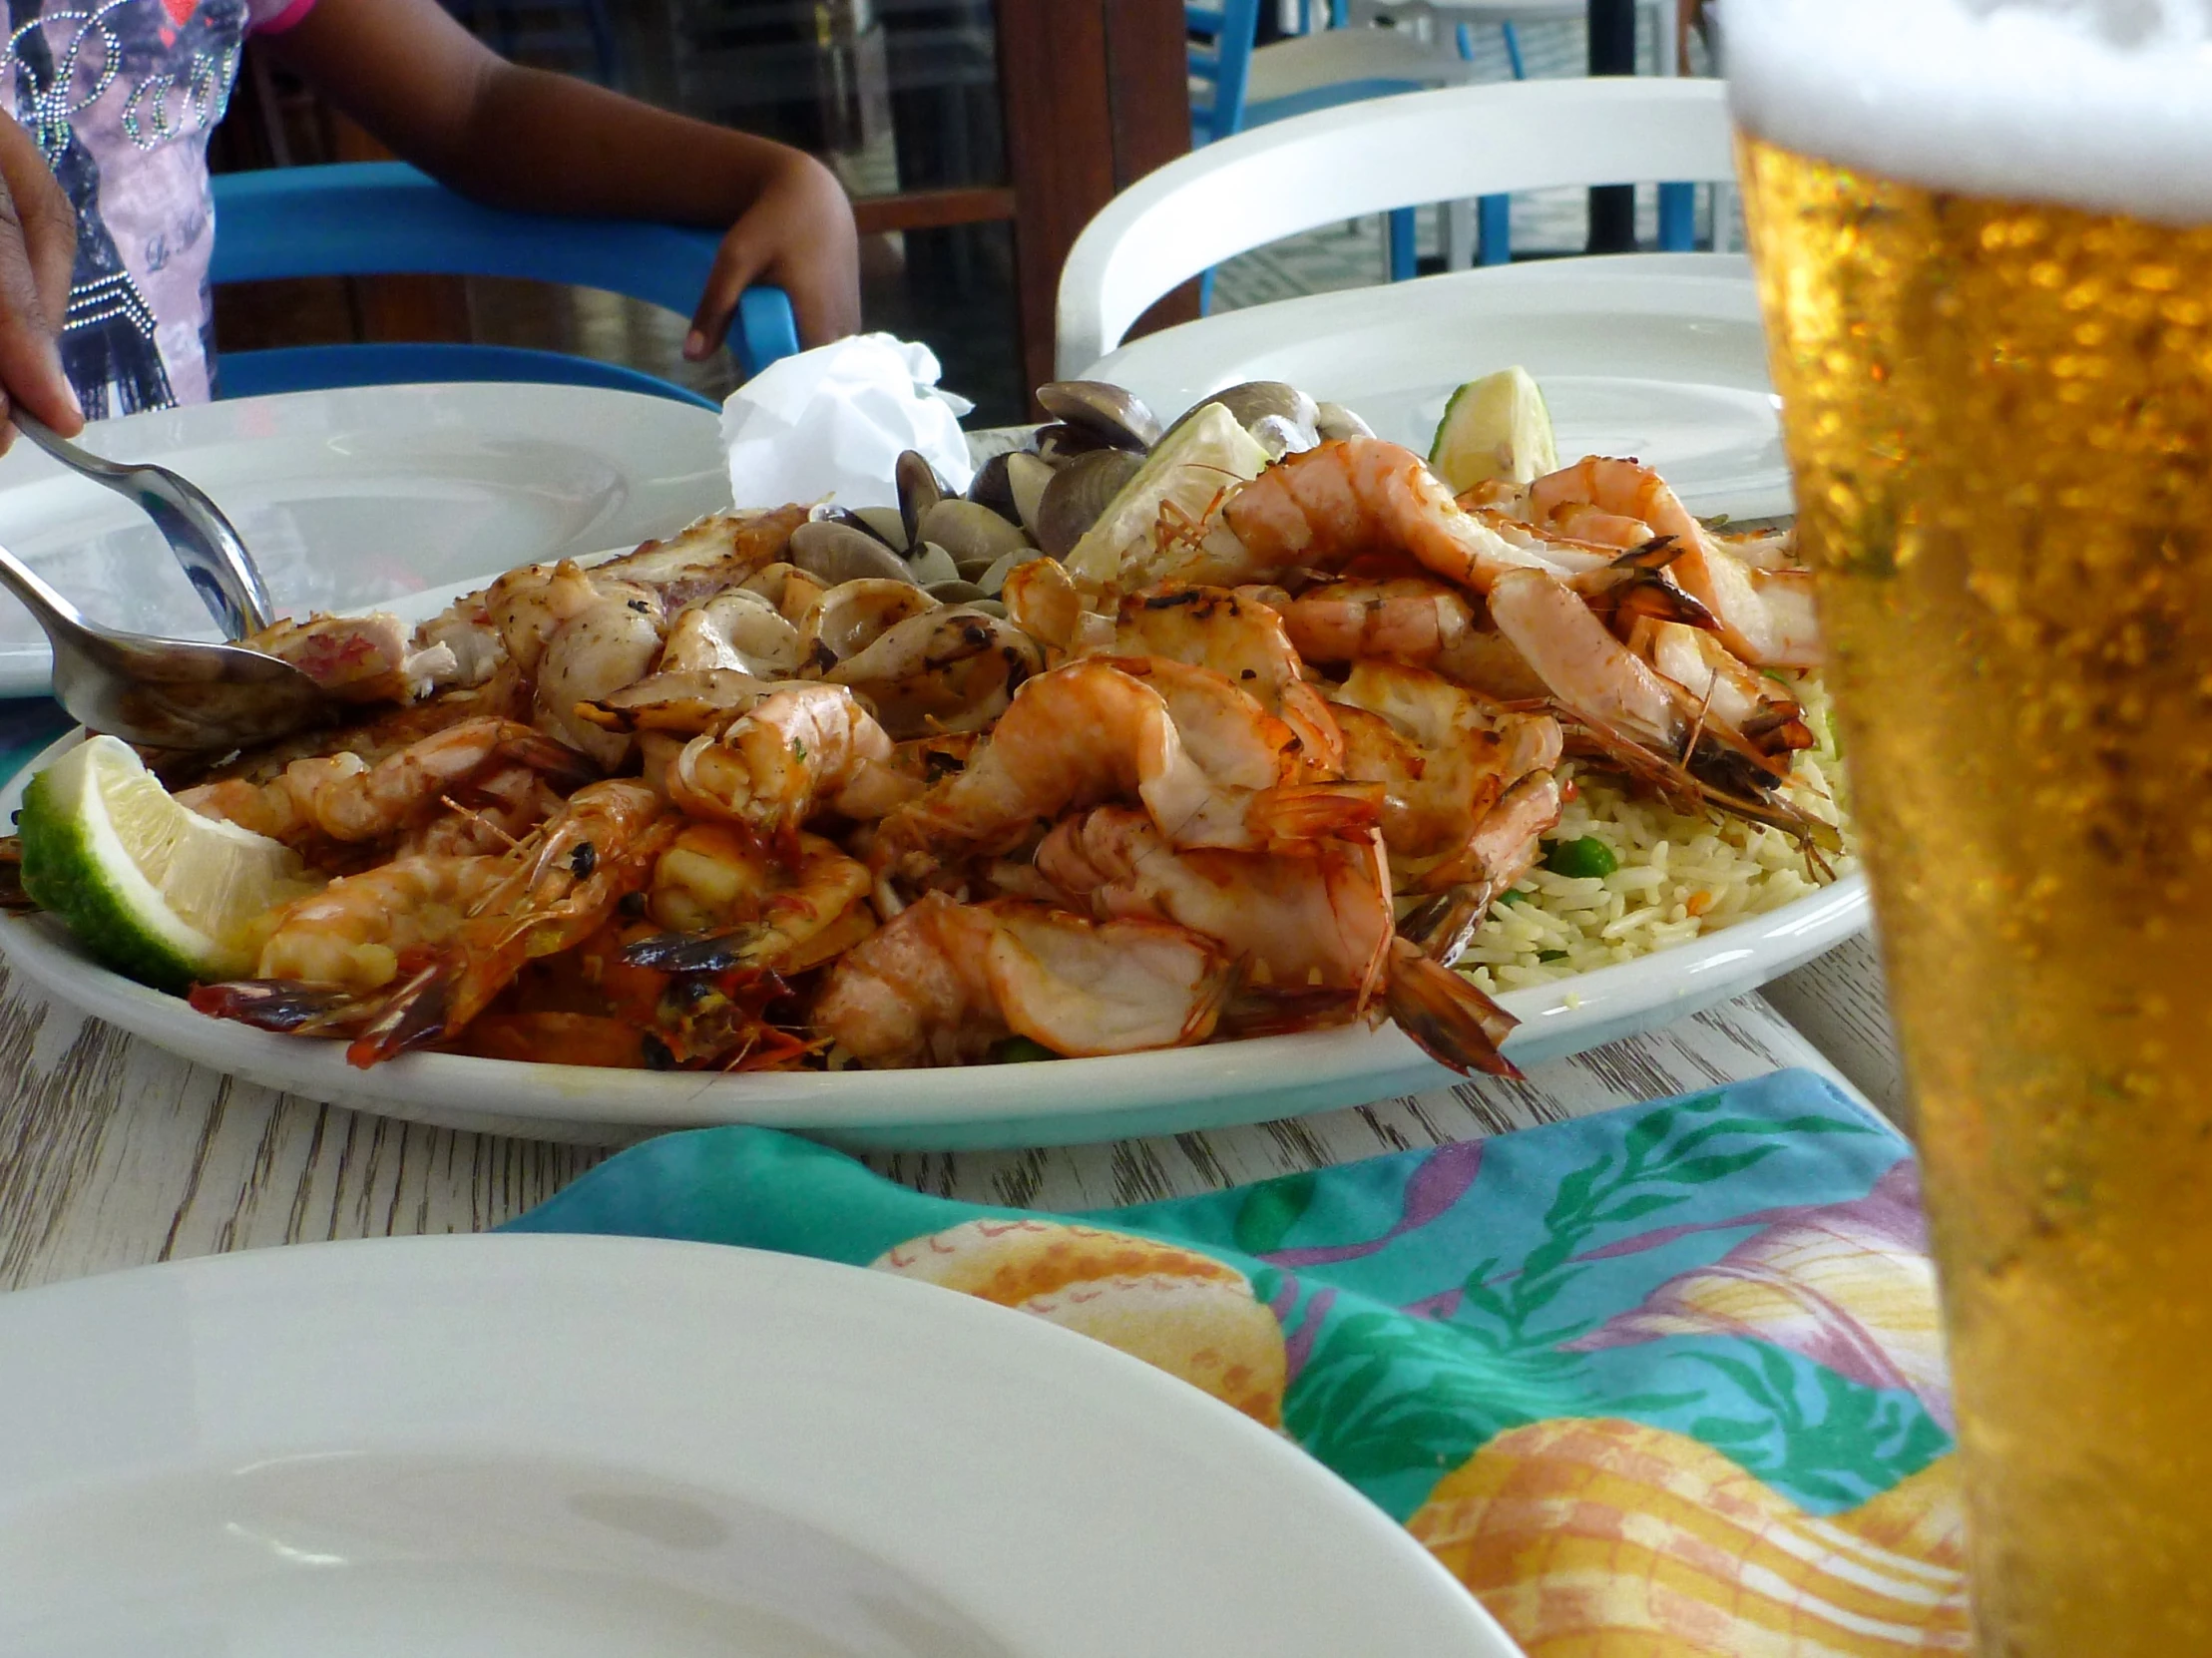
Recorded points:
(1096,97)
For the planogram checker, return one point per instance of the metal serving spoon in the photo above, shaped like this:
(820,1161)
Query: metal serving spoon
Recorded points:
(216,561)
(166,693)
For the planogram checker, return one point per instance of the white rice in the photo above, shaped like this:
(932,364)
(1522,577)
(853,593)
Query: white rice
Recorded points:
(1680,876)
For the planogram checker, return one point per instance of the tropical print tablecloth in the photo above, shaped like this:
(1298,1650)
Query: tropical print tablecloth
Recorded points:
(1661,1382)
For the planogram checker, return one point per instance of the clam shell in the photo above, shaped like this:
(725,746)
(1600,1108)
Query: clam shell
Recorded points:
(1278,414)
(955,592)
(991,489)
(919,490)
(970,533)
(1078,494)
(836,553)
(1279,437)
(931,564)
(994,579)
(1105,411)
(885,525)
(1335,423)
(1026,479)
(887,533)
(1062,443)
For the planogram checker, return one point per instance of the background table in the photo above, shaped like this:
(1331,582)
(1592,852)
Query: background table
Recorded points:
(114,1153)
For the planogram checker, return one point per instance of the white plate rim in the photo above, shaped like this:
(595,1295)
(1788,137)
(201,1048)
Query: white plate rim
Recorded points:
(551,1325)
(1696,287)
(1256,1079)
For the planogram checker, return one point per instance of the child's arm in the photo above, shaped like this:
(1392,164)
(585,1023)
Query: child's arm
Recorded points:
(38,247)
(521,138)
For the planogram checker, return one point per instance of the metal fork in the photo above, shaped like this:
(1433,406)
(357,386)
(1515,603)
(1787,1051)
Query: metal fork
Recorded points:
(216,561)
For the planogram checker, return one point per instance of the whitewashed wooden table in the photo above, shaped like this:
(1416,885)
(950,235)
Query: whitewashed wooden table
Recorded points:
(114,1153)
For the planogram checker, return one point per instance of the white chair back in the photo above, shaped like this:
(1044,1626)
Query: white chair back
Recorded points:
(1376,156)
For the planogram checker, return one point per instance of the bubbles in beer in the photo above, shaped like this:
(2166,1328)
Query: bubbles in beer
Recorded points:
(2104,104)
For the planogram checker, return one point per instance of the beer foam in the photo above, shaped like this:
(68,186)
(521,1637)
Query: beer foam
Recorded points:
(2104,104)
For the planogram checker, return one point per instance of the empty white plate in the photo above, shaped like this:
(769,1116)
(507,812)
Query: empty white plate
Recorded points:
(356,498)
(552,1446)
(1656,355)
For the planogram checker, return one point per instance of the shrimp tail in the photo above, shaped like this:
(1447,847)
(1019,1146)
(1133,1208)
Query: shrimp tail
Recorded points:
(1293,812)
(411,1016)
(1277,1010)
(1447,1014)
(739,949)
(1642,594)
(289,1005)
(563,768)
(1443,926)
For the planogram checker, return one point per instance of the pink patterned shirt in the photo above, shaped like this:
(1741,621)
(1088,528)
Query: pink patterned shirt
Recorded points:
(120,96)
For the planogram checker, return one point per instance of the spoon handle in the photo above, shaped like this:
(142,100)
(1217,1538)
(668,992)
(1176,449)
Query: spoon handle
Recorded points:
(62,620)
(216,561)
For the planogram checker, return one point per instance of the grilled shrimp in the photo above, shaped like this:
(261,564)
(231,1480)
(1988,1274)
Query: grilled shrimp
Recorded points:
(725,902)
(1208,762)
(1734,698)
(343,797)
(490,812)
(1640,721)
(943,981)
(798,751)
(1320,921)
(1470,784)
(1413,620)
(1318,510)
(592,1006)
(1765,617)
(355,932)
(1042,600)
(1587,669)
(553,893)
(1242,638)
(1319,918)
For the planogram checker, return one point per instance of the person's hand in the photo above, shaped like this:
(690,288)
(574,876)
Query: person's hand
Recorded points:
(37,251)
(798,235)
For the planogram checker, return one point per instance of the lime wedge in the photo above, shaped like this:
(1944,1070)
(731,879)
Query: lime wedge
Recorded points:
(1493,428)
(1192,465)
(151,887)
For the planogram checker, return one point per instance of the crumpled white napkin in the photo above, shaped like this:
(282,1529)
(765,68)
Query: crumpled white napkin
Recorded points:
(831,422)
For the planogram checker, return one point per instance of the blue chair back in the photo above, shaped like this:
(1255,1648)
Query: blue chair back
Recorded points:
(373,219)
(1221,38)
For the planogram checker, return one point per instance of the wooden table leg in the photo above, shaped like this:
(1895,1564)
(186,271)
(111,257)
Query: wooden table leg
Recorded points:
(1096,97)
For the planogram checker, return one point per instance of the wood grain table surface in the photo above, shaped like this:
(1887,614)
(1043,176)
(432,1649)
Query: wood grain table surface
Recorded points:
(114,1153)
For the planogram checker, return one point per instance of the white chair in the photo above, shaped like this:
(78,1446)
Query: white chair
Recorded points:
(1391,153)
(1428,16)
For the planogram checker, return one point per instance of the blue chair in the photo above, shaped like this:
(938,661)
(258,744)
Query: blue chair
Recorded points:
(1221,40)
(374,219)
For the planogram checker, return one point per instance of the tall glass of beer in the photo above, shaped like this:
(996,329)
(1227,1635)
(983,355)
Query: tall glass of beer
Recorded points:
(1983,230)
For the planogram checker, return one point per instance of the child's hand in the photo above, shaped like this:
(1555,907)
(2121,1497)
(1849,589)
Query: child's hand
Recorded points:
(798,234)
(38,250)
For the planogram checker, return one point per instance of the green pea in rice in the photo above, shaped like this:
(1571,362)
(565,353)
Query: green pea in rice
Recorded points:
(1680,876)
